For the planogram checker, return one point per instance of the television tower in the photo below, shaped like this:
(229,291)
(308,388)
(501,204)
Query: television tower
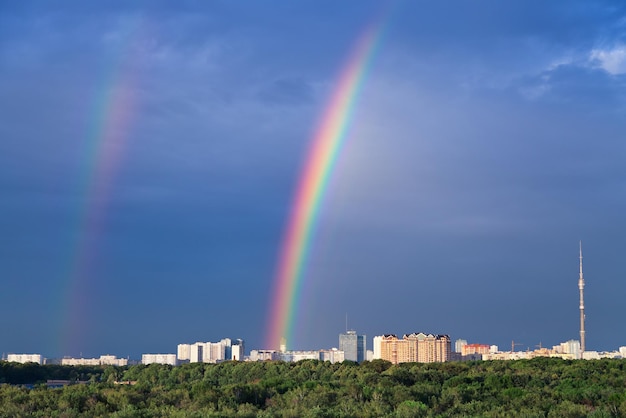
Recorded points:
(581,286)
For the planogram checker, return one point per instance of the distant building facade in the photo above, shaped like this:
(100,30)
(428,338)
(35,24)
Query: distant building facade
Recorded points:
(415,347)
(159,359)
(106,360)
(238,351)
(183,352)
(376,348)
(25,358)
(264,355)
(208,352)
(458,345)
(332,355)
(294,356)
(569,347)
(354,346)
(569,350)
(469,349)
(196,353)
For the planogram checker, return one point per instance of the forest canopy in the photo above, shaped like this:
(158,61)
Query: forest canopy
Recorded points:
(541,387)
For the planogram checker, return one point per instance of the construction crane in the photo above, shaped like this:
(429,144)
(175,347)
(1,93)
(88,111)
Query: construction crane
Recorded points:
(513,344)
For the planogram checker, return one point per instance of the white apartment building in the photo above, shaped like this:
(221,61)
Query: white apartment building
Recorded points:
(333,355)
(196,354)
(237,351)
(376,346)
(106,360)
(184,352)
(595,355)
(215,352)
(208,352)
(263,355)
(459,344)
(159,359)
(25,358)
(294,356)
(569,347)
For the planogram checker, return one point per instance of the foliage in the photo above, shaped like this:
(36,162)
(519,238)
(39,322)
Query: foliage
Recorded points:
(541,387)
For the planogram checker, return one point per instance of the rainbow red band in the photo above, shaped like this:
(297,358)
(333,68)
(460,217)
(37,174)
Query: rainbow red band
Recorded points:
(325,147)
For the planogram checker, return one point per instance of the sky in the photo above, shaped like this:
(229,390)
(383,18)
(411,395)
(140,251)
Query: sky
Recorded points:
(150,153)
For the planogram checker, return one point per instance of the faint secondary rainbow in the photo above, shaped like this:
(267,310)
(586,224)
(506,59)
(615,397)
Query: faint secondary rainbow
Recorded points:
(324,149)
(104,146)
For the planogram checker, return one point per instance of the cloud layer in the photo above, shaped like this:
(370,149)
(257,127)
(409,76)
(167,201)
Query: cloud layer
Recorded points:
(486,142)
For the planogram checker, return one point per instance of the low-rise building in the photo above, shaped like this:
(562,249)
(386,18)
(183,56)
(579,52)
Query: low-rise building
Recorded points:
(507,355)
(106,360)
(25,358)
(468,349)
(568,347)
(333,355)
(294,356)
(264,355)
(159,359)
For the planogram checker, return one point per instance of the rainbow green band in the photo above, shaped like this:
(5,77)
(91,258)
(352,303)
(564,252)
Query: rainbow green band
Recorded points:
(326,145)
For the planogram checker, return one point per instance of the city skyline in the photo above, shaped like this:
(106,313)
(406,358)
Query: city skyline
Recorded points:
(152,157)
(352,346)
(414,347)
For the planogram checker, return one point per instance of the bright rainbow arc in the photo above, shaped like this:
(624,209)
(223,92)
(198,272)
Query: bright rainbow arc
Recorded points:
(326,145)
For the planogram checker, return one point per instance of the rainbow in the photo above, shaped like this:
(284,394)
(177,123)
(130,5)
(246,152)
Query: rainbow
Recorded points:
(105,143)
(325,147)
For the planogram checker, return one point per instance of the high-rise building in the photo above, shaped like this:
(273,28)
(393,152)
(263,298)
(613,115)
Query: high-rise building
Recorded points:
(416,347)
(215,352)
(237,350)
(389,347)
(184,352)
(354,346)
(208,352)
(377,340)
(227,344)
(196,353)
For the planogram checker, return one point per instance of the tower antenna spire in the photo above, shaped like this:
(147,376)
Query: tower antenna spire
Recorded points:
(581,286)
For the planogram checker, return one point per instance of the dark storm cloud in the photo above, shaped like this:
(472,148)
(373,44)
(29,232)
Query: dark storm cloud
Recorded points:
(287,92)
(487,141)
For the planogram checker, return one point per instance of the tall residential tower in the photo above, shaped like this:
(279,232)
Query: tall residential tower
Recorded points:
(581,286)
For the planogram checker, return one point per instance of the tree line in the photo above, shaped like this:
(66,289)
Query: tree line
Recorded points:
(541,387)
